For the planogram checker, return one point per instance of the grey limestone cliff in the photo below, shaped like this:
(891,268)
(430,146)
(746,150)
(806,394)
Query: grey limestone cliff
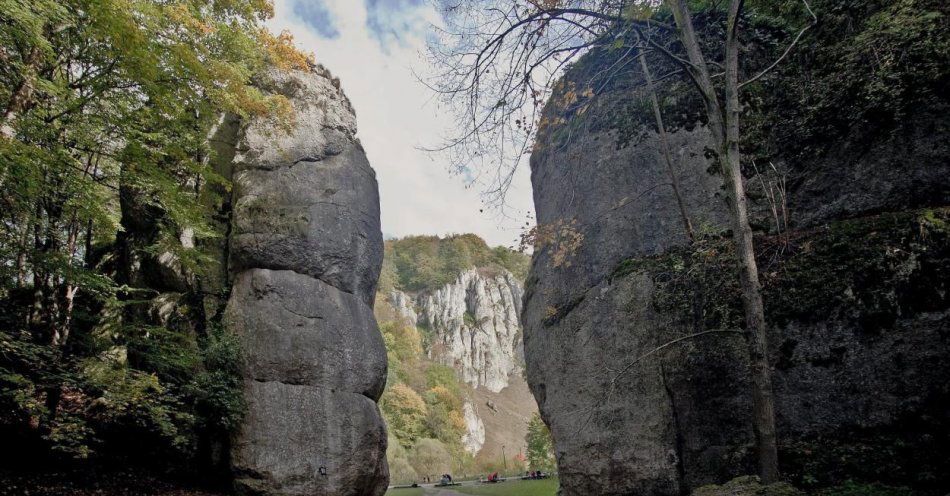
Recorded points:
(305,253)
(857,302)
(474,328)
(475,325)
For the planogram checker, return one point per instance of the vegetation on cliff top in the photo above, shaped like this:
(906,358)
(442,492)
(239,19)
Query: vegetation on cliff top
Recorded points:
(421,263)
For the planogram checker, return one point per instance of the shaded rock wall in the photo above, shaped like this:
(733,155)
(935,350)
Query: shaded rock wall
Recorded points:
(305,253)
(860,370)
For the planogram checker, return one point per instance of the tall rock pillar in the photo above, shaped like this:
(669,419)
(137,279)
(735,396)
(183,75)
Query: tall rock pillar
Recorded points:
(305,254)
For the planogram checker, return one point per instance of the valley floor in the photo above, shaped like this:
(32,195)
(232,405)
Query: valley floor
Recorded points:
(509,488)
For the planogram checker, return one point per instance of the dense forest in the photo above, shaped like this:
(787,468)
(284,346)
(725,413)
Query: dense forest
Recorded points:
(418,263)
(106,169)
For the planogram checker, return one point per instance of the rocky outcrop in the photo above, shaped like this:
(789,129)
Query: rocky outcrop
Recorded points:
(472,325)
(858,315)
(404,306)
(475,325)
(305,253)
(474,437)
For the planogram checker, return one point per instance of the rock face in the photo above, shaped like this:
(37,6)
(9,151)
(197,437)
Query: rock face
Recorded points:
(850,370)
(306,249)
(474,328)
(474,437)
(404,306)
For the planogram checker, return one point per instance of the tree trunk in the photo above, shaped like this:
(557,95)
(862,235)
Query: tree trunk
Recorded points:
(24,237)
(763,402)
(726,133)
(20,97)
(665,144)
(61,331)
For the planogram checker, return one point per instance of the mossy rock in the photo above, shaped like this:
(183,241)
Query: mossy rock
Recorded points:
(872,269)
(748,485)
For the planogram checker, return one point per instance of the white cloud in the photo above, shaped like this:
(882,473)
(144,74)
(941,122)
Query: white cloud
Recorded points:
(395,115)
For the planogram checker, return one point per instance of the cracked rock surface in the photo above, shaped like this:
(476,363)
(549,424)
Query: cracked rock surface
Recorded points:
(306,250)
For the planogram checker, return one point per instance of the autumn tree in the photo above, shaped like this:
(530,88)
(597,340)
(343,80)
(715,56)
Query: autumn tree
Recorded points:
(499,61)
(405,413)
(107,109)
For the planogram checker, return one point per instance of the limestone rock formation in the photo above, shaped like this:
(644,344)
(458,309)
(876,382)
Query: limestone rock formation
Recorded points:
(474,437)
(858,313)
(477,327)
(404,306)
(306,249)
(474,328)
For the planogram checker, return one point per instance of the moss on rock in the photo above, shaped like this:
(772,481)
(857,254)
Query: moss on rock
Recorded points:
(872,270)
(748,486)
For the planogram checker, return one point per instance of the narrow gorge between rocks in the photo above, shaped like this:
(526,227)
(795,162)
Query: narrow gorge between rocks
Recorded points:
(201,294)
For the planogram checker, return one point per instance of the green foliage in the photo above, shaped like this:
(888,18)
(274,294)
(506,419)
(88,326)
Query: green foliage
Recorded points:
(108,405)
(405,413)
(422,401)
(403,348)
(420,263)
(133,403)
(438,375)
(217,389)
(540,445)
(401,470)
(107,187)
(851,488)
(430,457)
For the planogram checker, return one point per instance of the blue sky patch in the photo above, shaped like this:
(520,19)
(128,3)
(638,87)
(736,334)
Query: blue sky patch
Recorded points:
(395,21)
(316,15)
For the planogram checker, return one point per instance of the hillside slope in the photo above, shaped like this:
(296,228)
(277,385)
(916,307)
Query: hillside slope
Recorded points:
(456,400)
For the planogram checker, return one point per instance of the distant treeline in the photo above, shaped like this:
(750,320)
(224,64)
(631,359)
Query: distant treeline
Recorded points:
(421,263)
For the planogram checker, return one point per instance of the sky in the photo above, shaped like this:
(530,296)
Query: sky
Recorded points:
(377,49)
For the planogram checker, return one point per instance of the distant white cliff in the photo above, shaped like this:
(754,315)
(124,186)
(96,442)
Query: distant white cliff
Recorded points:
(474,323)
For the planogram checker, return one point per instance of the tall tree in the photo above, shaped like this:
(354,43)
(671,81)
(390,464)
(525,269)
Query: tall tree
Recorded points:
(103,100)
(540,445)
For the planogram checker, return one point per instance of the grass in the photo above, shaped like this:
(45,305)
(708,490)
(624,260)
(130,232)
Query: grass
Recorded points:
(545,487)
(412,491)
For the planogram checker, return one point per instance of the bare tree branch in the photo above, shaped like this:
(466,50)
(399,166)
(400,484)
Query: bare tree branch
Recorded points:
(788,49)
